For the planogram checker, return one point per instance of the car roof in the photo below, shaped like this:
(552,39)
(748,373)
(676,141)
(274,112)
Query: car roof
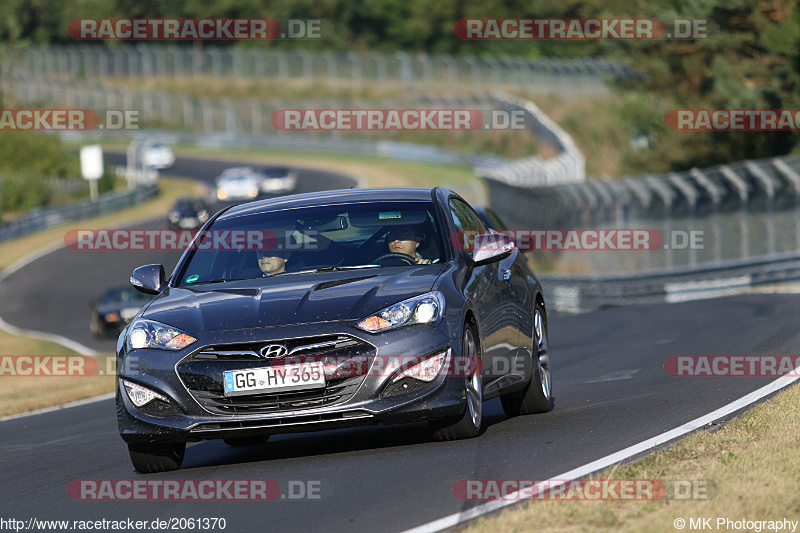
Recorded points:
(333,197)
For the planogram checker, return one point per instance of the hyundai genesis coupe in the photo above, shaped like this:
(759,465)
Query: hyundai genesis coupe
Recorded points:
(360,306)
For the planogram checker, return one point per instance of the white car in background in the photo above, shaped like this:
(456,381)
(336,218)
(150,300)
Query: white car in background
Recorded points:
(159,156)
(278,180)
(238,183)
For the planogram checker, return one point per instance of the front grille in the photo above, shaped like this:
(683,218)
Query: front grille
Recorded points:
(303,347)
(202,373)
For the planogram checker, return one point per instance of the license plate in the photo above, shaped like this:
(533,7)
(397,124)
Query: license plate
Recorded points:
(274,379)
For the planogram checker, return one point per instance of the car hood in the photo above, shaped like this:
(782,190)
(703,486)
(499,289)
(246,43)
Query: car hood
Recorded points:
(289,299)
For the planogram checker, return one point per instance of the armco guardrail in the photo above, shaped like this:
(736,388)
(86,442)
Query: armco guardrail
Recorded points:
(568,166)
(571,294)
(740,210)
(48,217)
(148,60)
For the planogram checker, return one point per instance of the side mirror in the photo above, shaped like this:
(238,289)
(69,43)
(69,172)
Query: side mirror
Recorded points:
(490,247)
(149,279)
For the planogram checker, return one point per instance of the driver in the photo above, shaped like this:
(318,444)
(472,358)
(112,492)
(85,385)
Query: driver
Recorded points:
(272,262)
(405,240)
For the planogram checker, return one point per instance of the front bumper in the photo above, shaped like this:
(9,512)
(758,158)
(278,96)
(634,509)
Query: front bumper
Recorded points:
(197,410)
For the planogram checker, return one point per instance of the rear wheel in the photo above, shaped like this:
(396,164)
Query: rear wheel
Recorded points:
(152,457)
(467,425)
(537,397)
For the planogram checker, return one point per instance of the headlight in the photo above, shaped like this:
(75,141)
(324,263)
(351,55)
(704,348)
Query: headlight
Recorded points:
(149,334)
(425,309)
(141,395)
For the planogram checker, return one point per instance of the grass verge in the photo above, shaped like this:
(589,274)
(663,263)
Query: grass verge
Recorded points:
(751,463)
(21,393)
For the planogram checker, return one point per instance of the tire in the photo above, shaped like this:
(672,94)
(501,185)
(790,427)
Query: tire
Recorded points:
(246,441)
(152,457)
(538,395)
(469,424)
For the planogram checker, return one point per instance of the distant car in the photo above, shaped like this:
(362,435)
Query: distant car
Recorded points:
(238,183)
(159,156)
(278,180)
(115,309)
(188,213)
(490,218)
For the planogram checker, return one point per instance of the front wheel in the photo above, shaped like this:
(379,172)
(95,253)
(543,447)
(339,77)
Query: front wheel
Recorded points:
(537,397)
(152,457)
(469,424)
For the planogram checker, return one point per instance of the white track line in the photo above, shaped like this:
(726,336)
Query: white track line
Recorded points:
(515,498)
(50,337)
(106,396)
(41,335)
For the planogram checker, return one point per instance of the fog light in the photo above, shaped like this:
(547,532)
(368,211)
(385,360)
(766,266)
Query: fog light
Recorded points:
(141,395)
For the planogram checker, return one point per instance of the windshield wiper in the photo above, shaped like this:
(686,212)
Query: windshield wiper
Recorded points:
(217,280)
(330,269)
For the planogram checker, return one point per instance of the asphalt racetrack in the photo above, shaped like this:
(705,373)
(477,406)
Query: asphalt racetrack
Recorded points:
(610,387)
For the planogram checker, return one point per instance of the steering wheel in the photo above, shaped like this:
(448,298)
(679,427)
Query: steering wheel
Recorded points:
(397,257)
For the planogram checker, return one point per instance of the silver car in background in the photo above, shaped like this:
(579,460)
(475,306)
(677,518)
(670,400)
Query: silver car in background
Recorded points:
(238,183)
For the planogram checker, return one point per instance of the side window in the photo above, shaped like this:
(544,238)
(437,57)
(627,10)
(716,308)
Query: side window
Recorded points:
(464,217)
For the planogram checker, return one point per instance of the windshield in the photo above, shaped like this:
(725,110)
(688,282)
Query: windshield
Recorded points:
(299,241)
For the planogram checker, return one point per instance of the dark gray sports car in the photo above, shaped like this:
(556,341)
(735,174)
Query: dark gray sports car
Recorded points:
(364,306)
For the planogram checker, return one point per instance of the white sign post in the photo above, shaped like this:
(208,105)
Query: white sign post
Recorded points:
(92,167)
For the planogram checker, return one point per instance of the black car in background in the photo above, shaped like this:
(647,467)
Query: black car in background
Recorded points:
(383,306)
(188,213)
(115,309)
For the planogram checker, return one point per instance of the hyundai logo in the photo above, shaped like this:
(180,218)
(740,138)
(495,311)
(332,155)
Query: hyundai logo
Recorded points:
(271,351)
